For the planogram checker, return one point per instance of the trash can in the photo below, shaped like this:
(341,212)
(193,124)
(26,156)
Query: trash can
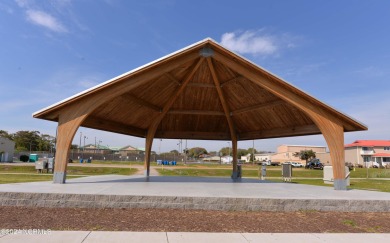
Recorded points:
(263,171)
(81,161)
(159,162)
(287,172)
(33,158)
(89,161)
(239,171)
(50,165)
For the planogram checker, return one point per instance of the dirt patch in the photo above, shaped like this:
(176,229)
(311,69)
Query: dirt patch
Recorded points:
(174,220)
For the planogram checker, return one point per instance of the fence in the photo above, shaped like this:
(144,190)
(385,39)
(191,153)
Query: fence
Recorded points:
(75,155)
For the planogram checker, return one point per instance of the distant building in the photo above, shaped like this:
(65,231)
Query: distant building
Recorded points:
(263,157)
(286,153)
(226,159)
(96,149)
(212,158)
(258,157)
(7,149)
(130,150)
(368,152)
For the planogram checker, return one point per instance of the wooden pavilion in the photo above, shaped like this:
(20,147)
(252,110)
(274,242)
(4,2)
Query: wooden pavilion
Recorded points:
(203,91)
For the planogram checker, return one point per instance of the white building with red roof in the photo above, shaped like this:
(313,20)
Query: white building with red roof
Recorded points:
(368,152)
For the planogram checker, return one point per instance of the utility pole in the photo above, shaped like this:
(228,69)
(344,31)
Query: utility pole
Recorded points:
(85,137)
(81,134)
(185,154)
(253,152)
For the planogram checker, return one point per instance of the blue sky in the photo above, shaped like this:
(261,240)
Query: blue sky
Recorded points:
(337,51)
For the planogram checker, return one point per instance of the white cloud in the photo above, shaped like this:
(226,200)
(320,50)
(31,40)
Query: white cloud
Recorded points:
(250,42)
(23,3)
(46,20)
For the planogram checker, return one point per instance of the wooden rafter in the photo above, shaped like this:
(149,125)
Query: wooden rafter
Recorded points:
(221,97)
(173,79)
(258,106)
(193,135)
(232,80)
(117,127)
(153,127)
(277,132)
(227,115)
(141,102)
(173,98)
(201,85)
(197,112)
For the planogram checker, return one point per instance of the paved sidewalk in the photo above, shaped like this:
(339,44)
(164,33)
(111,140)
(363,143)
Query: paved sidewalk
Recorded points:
(175,237)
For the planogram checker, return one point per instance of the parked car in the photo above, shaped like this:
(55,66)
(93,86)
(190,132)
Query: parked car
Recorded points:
(296,164)
(375,165)
(315,165)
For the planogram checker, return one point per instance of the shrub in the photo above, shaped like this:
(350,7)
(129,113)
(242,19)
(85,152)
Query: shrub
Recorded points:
(23,158)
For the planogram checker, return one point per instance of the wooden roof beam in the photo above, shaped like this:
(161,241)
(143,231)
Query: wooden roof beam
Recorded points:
(201,85)
(173,79)
(193,135)
(232,80)
(281,132)
(142,102)
(221,98)
(112,126)
(258,106)
(197,112)
(153,127)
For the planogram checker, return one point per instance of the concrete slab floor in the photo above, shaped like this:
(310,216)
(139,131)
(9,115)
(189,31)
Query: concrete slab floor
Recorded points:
(191,187)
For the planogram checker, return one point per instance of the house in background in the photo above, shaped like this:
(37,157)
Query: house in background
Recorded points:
(258,157)
(263,157)
(96,149)
(130,150)
(368,152)
(7,149)
(286,153)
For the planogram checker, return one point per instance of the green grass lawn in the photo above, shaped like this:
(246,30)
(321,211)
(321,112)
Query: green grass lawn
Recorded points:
(72,170)
(18,178)
(362,184)
(15,178)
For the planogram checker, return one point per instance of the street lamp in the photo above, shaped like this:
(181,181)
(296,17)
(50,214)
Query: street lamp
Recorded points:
(85,137)
(228,148)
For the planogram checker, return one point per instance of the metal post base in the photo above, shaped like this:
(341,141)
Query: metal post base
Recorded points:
(234,175)
(340,184)
(146,173)
(59,177)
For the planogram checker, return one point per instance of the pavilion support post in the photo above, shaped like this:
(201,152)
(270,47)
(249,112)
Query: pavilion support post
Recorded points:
(67,127)
(334,136)
(234,162)
(333,133)
(148,150)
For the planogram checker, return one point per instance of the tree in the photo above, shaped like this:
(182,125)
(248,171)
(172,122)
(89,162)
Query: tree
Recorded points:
(241,152)
(195,152)
(174,151)
(5,134)
(26,140)
(46,142)
(252,152)
(225,151)
(305,155)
